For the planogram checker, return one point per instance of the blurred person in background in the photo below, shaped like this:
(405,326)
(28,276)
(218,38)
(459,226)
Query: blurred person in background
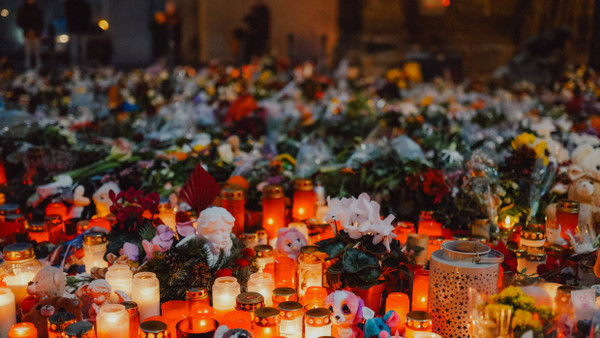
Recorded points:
(166,34)
(258,22)
(31,19)
(78,16)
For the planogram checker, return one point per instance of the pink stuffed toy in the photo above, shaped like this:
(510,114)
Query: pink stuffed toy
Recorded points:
(347,310)
(289,242)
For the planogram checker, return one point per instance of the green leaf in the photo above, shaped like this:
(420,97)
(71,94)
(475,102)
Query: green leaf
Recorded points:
(333,249)
(355,260)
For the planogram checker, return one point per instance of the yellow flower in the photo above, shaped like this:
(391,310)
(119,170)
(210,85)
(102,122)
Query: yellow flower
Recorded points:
(426,101)
(264,76)
(413,72)
(393,74)
(525,139)
(524,320)
(498,312)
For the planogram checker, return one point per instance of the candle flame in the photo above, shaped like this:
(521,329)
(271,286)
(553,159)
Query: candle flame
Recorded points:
(270,221)
(507,220)
(301,211)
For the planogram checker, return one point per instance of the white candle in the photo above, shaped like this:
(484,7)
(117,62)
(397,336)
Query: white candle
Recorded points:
(8,315)
(18,285)
(120,277)
(146,293)
(224,293)
(112,321)
(94,248)
(291,319)
(264,284)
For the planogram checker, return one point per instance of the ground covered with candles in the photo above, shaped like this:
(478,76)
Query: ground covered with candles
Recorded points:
(277,202)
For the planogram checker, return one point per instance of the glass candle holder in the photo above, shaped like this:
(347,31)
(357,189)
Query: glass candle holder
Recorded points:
(101,222)
(112,321)
(38,231)
(266,322)
(314,297)
(15,223)
(18,269)
(264,255)
(284,294)
(399,303)
(146,293)
(249,301)
(23,330)
(55,227)
(428,225)
(420,290)
(317,323)
(291,319)
(264,284)
(273,209)
(285,272)
(174,311)
(82,226)
(239,320)
(419,240)
(232,199)
(224,292)
(567,217)
(402,230)
(134,317)
(197,300)
(57,208)
(204,328)
(481,227)
(58,322)
(94,248)
(154,329)
(533,259)
(417,321)
(304,199)
(434,244)
(8,314)
(8,209)
(120,277)
(310,269)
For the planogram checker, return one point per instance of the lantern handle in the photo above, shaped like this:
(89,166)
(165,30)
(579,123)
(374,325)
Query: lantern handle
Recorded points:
(493,256)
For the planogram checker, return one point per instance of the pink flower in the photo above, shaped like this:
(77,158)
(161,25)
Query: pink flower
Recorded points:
(131,250)
(150,249)
(186,228)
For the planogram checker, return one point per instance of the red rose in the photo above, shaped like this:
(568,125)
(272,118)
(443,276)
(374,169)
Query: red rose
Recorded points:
(226,272)
(241,262)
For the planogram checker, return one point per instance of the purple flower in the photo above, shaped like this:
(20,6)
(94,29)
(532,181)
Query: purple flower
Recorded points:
(131,250)
(151,248)
(186,228)
(164,237)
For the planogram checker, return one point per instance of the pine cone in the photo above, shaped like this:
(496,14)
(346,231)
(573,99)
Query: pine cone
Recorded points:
(201,274)
(174,258)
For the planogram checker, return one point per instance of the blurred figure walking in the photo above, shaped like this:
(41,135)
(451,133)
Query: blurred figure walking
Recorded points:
(31,19)
(78,15)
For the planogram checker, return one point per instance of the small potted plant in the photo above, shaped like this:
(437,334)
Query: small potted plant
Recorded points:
(364,250)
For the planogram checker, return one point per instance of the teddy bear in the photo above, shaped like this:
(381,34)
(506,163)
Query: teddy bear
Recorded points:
(48,282)
(46,308)
(585,189)
(381,327)
(347,310)
(289,242)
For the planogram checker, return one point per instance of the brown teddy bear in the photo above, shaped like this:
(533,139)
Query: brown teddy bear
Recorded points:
(46,308)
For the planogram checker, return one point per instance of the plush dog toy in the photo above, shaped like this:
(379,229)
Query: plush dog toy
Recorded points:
(380,327)
(289,242)
(347,310)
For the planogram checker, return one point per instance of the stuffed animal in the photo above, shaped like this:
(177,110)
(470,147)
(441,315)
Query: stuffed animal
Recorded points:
(289,242)
(46,308)
(585,189)
(380,327)
(92,296)
(347,310)
(48,282)
(101,199)
(79,201)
